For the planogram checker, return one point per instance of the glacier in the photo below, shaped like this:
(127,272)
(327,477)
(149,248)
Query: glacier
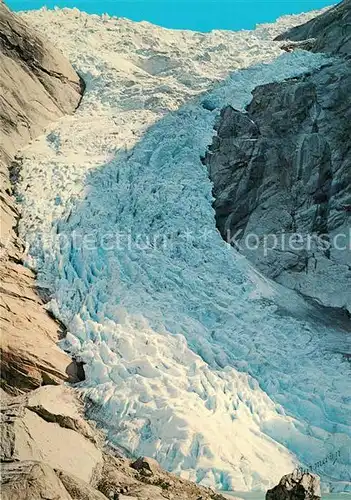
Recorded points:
(192,357)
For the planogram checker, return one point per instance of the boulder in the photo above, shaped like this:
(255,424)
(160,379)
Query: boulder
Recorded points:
(146,466)
(60,404)
(78,489)
(296,486)
(31,480)
(47,436)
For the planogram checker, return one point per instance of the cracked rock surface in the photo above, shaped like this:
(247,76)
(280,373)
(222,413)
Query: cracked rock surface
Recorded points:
(31,480)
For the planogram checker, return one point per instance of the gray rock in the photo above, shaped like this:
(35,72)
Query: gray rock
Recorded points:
(282,171)
(59,439)
(284,168)
(330,31)
(296,486)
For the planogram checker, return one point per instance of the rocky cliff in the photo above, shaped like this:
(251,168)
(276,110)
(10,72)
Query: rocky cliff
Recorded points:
(281,171)
(329,32)
(38,85)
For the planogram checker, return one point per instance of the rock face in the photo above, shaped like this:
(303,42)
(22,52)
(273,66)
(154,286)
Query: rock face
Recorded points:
(38,85)
(31,480)
(281,176)
(31,434)
(29,354)
(60,405)
(330,32)
(296,486)
(48,448)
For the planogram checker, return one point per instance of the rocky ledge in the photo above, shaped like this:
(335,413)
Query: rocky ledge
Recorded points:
(281,171)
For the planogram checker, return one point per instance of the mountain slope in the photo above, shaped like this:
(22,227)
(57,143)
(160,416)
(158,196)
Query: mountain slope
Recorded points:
(38,86)
(281,173)
(331,31)
(191,356)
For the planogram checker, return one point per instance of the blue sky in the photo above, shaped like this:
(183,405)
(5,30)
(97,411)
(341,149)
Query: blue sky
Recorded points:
(187,14)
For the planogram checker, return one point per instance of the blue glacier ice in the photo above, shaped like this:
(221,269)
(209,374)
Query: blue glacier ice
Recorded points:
(191,355)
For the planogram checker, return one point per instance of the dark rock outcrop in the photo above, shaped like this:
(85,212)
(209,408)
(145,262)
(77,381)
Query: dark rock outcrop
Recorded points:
(281,176)
(330,32)
(38,86)
(296,486)
(146,466)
